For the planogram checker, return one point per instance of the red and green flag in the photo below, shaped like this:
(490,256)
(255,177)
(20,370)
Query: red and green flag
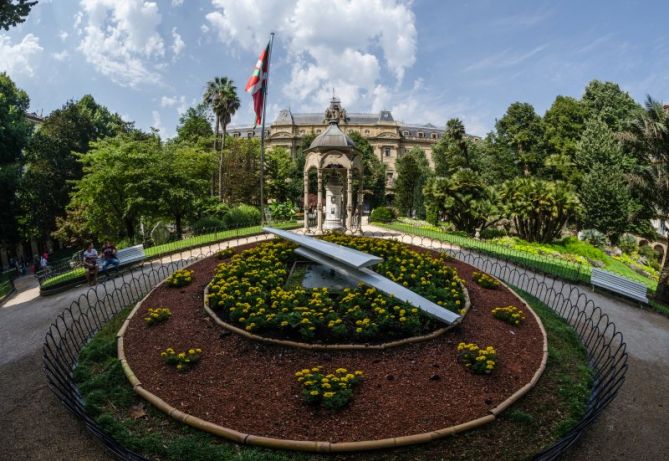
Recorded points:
(257,84)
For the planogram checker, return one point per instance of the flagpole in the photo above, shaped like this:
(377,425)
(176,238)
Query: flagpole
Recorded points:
(262,133)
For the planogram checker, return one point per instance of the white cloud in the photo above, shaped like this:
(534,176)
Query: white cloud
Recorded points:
(16,59)
(121,39)
(330,43)
(61,55)
(175,101)
(63,35)
(176,3)
(156,122)
(178,45)
(504,59)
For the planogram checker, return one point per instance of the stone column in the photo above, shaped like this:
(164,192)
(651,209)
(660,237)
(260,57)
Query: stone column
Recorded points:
(306,201)
(319,207)
(349,200)
(358,227)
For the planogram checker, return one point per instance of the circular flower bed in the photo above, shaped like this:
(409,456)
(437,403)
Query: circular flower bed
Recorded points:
(250,292)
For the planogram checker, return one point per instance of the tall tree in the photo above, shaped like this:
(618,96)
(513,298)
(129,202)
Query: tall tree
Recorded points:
(13,12)
(221,97)
(452,152)
(520,130)
(607,102)
(52,163)
(648,138)
(15,131)
(195,126)
(563,124)
(413,172)
(374,171)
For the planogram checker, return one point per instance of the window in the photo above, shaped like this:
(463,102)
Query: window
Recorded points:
(421,134)
(249,134)
(389,176)
(386,151)
(405,133)
(318,131)
(301,131)
(366,131)
(434,135)
(235,135)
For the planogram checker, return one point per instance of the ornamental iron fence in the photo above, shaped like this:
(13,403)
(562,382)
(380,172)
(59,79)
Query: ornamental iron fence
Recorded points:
(73,328)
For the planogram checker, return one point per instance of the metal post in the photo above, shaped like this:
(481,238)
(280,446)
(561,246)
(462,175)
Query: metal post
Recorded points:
(262,134)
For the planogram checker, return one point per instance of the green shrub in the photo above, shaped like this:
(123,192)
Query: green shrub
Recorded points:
(492,233)
(476,359)
(627,243)
(157,315)
(509,314)
(484,280)
(207,225)
(241,216)
(593,237)
(382,214)
(333,390)
(180,278)
(281,211)
(183,361)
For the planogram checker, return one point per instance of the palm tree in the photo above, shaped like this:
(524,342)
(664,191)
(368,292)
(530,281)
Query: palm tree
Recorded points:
(648,138)
(221,97)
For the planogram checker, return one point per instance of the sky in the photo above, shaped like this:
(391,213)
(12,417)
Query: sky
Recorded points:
(424,60)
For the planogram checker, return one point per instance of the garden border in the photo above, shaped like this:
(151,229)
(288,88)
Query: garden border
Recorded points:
(73,328)
(322,446)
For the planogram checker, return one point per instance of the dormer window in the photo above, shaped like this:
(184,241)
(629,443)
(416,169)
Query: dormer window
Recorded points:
(235,135)
(249,134)
(421,134)
(405,134)
(434,135)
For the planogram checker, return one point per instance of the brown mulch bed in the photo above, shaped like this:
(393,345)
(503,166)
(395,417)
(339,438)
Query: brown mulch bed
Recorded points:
(250,387)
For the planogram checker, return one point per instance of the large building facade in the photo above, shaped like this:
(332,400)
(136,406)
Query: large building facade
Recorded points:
(389,138)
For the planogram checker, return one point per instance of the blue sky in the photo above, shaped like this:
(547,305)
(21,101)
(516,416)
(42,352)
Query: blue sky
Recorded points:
(425,60)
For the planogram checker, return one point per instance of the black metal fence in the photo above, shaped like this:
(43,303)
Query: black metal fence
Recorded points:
(73,328)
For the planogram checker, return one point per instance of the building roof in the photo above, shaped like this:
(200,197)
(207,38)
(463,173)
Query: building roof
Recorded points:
(333,136)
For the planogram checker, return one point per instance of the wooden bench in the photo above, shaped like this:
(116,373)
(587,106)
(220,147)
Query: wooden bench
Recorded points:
(620,285)
(126,256)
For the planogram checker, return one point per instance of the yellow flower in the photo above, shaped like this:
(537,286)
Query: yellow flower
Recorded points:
(314,392)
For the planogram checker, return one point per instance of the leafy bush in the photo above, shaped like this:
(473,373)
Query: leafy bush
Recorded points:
(333,391)
(183,361)
(492,233)
(539,209)
(241,216)
(484,280)
(593,237)
(225,254)
(180,278)
(207,225)
(510,314)
(477,360)
(282,211)
(627,243)
(382,214)
(157,315)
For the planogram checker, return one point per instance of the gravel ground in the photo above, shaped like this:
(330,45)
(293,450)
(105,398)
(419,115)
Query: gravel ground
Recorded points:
(35,426)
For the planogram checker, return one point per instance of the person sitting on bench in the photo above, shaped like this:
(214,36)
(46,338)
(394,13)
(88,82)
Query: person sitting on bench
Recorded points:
(109,256)
(90,257)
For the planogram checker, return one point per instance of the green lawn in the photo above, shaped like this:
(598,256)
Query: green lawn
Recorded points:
(5,288)
(172,247)
(535,422)
(567,259)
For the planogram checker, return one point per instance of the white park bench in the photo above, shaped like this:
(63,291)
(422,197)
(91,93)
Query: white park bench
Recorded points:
(620,285)
(129,255)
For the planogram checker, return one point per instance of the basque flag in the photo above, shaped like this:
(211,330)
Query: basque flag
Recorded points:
(258,83)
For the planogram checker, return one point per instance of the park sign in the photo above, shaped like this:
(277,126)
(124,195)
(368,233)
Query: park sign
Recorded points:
(355,266)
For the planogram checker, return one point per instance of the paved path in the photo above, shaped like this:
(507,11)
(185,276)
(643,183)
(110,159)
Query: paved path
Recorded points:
(35,426)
